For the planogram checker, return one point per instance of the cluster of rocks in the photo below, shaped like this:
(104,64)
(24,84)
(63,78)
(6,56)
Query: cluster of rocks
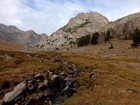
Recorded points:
(44,88)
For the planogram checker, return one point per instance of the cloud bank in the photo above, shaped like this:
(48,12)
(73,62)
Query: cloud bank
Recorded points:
(46,16)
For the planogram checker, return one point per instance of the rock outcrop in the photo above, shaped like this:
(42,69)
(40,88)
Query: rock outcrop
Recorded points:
(45,88)
(81,25)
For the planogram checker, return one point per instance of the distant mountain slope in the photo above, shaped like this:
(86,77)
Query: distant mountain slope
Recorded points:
(122,27)
(82,24)
(9,29)
(15,35)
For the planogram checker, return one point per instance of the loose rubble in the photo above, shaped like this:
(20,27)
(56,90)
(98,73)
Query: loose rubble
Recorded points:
(49,88)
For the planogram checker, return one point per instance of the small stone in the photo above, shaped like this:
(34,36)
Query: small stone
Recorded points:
(32,81)
(53,77)
(72,67)
(40,76)
(30,87)
(49,92)
(43,85)
(131,90)
(45,82)
(91,75)
(33,96)
(70,79)
(40,94)
(63,74)
(29,55)
(7,57)
(48,102)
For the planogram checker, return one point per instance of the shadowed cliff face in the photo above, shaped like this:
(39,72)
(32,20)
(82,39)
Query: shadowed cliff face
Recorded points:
(122,28)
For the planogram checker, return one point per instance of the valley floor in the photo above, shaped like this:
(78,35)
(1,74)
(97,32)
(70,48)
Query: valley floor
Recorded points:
(107,76)
(116,74)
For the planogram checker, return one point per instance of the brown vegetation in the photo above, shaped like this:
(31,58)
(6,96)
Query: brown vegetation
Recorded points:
(10,46)
(18,66)
(113,81)
(107,76)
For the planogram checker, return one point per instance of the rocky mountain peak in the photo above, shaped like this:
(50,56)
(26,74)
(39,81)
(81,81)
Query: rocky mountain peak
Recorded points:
(86,17)
(80,25)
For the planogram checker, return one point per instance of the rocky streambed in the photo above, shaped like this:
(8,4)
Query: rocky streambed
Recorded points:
(45,88)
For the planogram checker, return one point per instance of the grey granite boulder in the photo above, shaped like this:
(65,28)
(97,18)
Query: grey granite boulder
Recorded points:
(17,91)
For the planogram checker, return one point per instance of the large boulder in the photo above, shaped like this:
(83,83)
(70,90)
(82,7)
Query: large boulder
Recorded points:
(17,91)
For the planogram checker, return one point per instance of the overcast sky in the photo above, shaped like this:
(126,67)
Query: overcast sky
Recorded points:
(46,16)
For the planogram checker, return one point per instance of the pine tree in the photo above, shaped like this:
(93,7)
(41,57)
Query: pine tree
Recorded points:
(136,37)
(95,37)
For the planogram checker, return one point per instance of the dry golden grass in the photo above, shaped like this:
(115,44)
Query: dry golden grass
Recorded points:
(18,66)
(115,81)
(10,46)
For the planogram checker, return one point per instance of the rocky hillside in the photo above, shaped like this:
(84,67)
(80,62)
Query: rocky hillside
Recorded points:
(82,24)
(122,27)
(15,35)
